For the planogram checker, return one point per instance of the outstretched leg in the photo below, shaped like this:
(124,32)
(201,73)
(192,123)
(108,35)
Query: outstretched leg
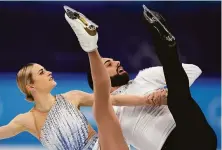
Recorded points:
(110,134)
(192,129)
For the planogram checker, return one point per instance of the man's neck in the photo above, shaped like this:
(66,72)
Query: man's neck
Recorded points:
(115,88)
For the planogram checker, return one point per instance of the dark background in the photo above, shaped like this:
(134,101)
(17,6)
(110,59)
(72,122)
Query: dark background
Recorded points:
(38,32)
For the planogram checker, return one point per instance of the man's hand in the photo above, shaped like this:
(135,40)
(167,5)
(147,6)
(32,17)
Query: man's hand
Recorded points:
(157,98)
(84,29)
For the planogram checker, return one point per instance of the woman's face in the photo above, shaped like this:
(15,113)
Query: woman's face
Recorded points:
(43,80)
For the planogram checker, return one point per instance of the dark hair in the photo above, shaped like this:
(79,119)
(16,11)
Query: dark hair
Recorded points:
(116,80)
(89,78)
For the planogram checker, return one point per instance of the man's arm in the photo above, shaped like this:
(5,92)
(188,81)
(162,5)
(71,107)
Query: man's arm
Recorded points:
(156,98)
(13,128)
(155,75)
(159,97)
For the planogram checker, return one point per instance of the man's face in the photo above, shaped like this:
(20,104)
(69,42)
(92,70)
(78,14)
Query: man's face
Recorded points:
(116,72)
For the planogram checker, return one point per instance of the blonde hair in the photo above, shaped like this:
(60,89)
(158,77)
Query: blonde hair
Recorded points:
(24,77)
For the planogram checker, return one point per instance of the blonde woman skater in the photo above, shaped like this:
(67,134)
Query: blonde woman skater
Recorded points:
(56,120)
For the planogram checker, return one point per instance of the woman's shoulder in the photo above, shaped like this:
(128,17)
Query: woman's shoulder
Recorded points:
(73,96)
(23,118)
